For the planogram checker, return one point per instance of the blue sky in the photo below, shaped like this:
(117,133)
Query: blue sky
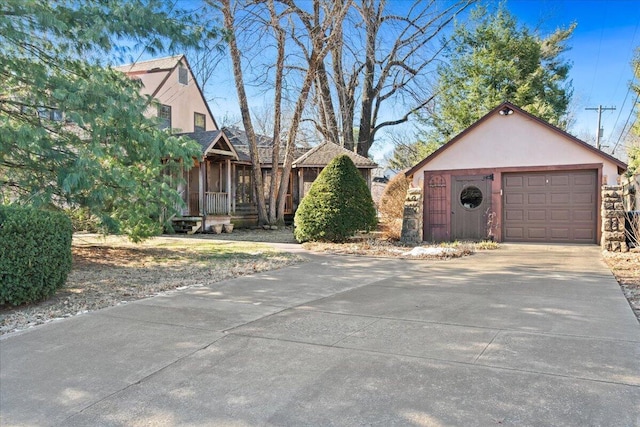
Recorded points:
(602,48)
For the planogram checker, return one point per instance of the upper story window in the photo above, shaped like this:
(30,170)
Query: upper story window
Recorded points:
(199,122)
(50,114)
(164,113)
(183,75)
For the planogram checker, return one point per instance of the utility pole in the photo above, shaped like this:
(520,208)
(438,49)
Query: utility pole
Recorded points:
(600,109)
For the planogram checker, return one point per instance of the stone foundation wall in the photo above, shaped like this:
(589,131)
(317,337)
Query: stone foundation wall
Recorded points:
(613,220)
(412,218)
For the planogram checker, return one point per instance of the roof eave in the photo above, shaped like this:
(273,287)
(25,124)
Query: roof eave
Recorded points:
(420,165)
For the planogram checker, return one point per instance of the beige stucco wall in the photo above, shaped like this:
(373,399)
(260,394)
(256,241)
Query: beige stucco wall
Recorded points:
(185,100)
(150,81)
(514,141)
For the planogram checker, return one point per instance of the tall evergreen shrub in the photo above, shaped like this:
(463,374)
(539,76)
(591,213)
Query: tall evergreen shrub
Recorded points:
(338,204)
(35,253)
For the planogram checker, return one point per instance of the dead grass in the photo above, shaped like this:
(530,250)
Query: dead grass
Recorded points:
(626,269)
(110,271)
(378,247)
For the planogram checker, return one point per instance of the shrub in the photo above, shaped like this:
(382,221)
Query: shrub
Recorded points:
(35,253)
(338,204)
(392,206)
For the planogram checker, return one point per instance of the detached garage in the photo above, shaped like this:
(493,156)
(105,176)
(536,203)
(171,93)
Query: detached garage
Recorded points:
(515,178)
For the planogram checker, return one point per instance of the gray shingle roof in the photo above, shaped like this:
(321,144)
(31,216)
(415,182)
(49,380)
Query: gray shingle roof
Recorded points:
(319,156)
(265,153)
(322,155)
(238,136)
(204,138)
(152,64)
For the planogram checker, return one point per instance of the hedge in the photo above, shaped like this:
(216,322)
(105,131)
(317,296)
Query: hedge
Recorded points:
(338,204)
(35,253)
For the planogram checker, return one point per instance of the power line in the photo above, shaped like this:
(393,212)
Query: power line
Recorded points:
(626,123)
(635,72)
(632,43)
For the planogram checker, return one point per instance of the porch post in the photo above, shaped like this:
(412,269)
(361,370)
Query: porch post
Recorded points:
(228,186)
(202,180)
(233,189)
(300,185)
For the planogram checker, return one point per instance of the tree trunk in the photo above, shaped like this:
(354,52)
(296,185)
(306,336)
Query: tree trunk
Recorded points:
(244,110)
(368,87)
(291,138)
(330,123)
(274,201)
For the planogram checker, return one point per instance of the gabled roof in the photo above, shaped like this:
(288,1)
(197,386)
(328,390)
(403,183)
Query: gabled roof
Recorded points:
(167,65)
(238,136)
(322,155)
(621,165)
(159,64)
(208,141)
(266,154)
(319,156)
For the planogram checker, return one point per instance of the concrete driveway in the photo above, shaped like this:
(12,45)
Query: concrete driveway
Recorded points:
(525,335)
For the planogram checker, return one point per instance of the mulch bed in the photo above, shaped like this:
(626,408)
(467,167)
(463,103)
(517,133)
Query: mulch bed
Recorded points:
(626,269)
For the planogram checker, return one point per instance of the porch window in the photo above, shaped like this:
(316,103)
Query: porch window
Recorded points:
(199,122)
(164,114)
(183,76)
(244,189)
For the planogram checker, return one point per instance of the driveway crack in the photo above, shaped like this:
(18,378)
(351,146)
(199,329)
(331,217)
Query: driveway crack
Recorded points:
(487,346)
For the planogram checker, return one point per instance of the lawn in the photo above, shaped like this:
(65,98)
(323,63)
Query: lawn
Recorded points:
(111,271)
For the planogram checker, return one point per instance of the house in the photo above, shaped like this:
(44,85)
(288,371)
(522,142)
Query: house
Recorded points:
(218,189)
(307,165)
(516,178)
(182,110)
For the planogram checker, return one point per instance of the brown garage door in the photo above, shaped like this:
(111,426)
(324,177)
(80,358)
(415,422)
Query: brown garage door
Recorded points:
(550,206)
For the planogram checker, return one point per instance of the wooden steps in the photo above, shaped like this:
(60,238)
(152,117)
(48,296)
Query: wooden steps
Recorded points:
(187,225)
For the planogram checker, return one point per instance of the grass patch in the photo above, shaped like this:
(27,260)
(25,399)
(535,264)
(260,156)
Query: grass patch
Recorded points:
(110,270)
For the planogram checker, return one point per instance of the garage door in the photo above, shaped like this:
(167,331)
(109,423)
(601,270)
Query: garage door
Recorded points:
(550,207)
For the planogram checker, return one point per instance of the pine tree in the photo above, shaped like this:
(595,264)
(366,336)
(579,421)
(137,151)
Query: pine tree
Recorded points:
(492,59)
(73,131)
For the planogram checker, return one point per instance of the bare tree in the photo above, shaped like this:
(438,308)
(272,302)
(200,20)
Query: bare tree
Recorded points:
(390,66)
(229,23)
(280,35)
(317,24)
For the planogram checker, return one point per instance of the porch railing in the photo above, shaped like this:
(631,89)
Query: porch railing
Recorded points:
(216,203)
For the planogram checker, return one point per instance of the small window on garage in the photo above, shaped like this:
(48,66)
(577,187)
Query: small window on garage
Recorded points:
(471,197)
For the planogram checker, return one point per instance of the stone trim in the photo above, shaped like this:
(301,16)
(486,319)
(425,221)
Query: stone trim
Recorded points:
(412,218)
(614,238)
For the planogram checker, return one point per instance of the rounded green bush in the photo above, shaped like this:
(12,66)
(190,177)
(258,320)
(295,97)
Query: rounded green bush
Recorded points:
(35,253)
(338,204)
